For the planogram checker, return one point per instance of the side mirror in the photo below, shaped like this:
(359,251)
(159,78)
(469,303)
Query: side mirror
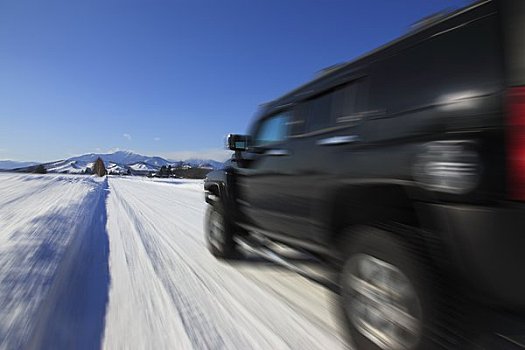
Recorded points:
(237,142)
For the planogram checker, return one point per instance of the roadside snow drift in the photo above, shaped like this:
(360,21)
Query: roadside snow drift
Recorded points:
(53,261)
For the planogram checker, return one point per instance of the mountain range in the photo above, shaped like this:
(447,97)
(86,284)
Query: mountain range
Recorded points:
(117,162)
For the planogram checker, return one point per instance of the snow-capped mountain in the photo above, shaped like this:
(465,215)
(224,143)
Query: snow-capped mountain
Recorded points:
(68,166)
(122,157)
(143,167)
(123,162)
(204,163)
(114,168)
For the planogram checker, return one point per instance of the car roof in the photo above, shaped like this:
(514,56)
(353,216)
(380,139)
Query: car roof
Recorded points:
(332,73)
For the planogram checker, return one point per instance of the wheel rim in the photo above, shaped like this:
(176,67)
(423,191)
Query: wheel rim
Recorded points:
(216,229)
(381,303)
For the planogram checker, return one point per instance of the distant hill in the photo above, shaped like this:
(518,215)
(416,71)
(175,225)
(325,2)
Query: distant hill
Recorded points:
(204,163)
(11,164)
(120,162)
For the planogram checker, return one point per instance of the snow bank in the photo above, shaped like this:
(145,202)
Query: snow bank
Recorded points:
(47,221)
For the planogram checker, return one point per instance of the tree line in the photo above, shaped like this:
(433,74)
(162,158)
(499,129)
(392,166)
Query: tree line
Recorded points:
(99,169)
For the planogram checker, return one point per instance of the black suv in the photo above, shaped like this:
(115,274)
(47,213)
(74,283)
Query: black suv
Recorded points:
(405,170)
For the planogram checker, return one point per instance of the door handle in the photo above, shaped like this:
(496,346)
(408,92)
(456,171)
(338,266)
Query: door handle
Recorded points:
(277,152)
(338,140)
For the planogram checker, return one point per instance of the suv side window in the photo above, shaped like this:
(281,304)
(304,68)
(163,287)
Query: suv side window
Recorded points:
(271,130)
(336,107)
(344,101)
(349,100)
(317,112)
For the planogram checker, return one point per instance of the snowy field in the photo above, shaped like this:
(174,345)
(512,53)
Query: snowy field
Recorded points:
(121,263)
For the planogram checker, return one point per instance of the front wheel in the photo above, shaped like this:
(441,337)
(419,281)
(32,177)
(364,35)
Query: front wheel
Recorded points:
(385,293)
(219,232)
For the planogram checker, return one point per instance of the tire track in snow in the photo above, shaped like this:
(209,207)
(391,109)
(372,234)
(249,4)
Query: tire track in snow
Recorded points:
(295,286)
(140,312)
(202,333)
(246,315)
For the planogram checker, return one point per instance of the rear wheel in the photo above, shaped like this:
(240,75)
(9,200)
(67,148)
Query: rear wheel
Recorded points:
(219,231)
(385,293)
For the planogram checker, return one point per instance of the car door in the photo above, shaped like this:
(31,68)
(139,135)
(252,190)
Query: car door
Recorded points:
(266,179)
(327,148)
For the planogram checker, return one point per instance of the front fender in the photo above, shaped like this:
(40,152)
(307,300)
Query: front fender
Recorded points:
(215,185)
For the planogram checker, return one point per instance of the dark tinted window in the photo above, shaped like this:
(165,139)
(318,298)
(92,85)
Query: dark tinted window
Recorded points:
(272,129)
(339,105)
(315,114)
(348,101)
(297,122)
(344,100)
(318,112)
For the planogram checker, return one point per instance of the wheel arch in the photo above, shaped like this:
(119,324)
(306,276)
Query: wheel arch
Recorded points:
(212,192)
(392,206)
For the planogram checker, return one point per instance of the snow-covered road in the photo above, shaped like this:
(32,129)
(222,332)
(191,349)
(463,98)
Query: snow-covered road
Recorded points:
(157,288)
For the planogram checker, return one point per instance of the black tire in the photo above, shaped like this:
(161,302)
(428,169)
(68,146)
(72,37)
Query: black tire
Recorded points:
(375,255)
(221,244)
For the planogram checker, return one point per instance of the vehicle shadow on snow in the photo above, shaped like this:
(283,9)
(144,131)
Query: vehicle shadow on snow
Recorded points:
(73,315)
(308,267)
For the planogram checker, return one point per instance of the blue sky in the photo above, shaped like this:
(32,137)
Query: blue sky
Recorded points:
(169,78)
